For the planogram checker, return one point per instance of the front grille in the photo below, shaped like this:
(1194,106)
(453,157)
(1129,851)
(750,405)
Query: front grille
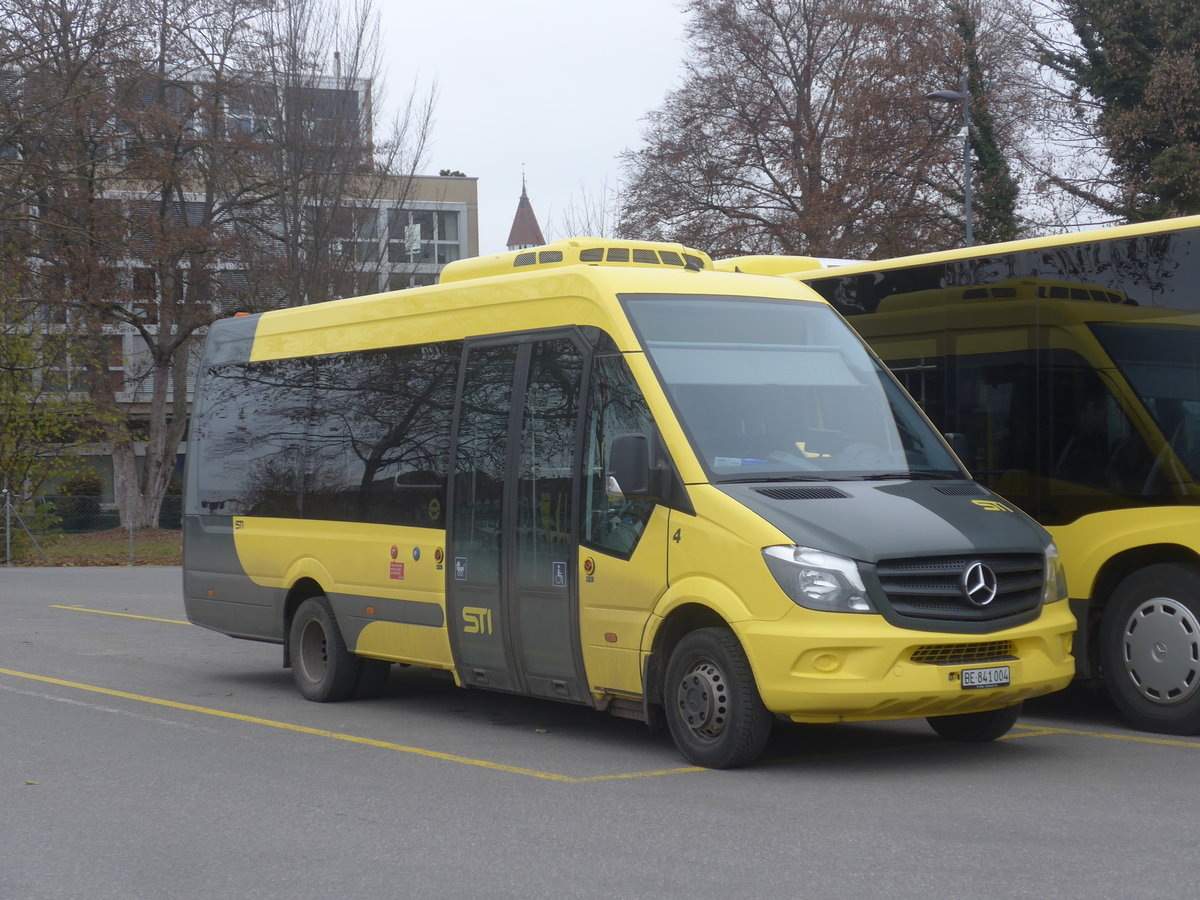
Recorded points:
(954,654)
(932,587)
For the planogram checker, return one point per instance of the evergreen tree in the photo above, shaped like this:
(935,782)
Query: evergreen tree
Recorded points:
(995,200)
(1140,61)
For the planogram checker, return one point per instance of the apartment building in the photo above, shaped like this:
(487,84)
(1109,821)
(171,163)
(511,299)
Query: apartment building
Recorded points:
(381,233)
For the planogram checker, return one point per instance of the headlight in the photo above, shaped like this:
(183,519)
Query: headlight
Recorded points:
(818,580)
(1056,576)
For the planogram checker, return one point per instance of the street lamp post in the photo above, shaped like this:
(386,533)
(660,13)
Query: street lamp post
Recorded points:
(964,98)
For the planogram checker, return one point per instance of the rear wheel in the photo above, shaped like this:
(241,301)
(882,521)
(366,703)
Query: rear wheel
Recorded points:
(1150,648)
(713,709)
(323,669)
(977,727)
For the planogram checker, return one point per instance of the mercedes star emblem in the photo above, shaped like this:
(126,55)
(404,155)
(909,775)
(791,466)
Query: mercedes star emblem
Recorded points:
(979,584)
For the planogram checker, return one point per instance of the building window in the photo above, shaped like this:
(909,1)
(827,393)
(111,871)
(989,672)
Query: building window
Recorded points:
(356,231)
(249,112)
(116,362)
(144,295)
(423,236)
(69,374)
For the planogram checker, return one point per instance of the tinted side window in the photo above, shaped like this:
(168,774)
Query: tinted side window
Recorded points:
(359,437)
(482,462)
(1098,460)
(379,442)
(547,462)
(250,430)
(1045,431)
(616,406)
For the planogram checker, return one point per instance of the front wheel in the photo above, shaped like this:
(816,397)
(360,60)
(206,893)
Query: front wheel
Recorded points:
(713,709)
(976,728)
(322,668)
(1150,648)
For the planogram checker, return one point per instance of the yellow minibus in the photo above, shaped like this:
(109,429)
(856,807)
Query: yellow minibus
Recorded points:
(603,473)
(1068,367)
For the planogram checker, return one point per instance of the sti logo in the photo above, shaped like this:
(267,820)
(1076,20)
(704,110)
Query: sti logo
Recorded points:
(460,568)
(477,620)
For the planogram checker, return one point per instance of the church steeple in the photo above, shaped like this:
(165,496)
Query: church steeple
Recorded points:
(525,231)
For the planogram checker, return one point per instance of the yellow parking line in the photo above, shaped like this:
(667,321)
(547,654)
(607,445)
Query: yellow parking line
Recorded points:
(1040,731)
(348,738)
(105,612)
(1026,732)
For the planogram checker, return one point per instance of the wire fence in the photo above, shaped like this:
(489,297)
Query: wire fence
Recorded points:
(80,515)
(81,530)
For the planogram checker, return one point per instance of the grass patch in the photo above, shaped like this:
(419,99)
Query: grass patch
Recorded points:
(151,547)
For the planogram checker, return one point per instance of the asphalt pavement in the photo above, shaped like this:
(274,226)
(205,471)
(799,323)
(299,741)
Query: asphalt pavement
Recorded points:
(141,756)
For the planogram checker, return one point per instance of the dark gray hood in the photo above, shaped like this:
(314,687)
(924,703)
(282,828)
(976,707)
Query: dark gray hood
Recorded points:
(870,521)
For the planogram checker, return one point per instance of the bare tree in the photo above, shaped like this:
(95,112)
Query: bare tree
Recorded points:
(187,155)
(802,127)
(1069,178)
(331,171)
(590,213)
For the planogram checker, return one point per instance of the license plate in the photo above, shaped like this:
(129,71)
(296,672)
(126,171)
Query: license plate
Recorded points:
(994,676)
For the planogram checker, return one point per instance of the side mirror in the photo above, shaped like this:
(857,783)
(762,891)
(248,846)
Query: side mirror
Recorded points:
(629,465)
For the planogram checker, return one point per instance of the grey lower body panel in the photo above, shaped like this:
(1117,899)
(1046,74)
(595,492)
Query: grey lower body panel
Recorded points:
(217,592)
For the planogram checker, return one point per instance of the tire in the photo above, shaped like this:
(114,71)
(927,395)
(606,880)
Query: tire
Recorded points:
(713,709)
(323,669)
(1150,648)
(976,728)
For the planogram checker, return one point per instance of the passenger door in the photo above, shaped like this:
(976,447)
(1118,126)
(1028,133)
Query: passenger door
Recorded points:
(512,598)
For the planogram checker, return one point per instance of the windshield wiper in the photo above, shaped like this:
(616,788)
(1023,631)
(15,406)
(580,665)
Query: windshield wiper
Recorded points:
(914,476)
(763,479)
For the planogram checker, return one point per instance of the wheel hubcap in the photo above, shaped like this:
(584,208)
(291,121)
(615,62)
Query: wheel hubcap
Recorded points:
(314,651)
(1161,648)
(703,699)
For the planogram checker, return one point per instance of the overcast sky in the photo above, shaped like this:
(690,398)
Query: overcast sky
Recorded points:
(556,88)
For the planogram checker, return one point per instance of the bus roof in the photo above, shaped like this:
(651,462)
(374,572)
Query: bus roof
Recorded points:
(765,264)
(538,294)
(576,251)
(1047,241)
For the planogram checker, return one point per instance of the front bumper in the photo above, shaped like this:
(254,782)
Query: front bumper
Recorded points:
(840,667)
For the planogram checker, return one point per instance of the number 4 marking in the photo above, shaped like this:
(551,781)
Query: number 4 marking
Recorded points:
(677,537)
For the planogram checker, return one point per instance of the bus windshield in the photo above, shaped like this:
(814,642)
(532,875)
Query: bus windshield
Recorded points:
(1160,363)
(783,390)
